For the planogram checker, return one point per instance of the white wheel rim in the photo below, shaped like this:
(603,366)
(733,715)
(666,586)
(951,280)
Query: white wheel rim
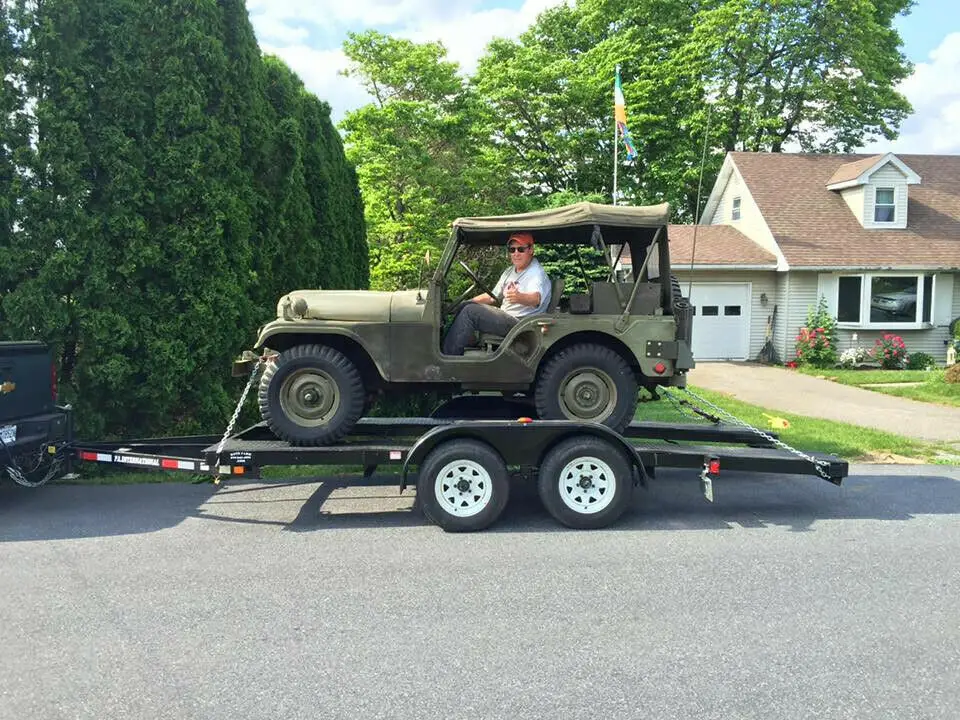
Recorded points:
(463,488)
(587,485)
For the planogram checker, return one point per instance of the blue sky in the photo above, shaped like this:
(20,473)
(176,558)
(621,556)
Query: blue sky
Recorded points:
(308,34)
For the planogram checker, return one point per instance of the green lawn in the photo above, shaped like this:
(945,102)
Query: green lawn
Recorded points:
(934,389)
(850,442)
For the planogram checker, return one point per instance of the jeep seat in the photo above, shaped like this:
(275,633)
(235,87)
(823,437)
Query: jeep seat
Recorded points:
(491,342)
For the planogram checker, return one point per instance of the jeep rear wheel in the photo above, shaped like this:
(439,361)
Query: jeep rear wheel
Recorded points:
(311,395)
(588,383)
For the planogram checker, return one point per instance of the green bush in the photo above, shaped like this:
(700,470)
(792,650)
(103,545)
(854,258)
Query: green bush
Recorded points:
(920,361)
(817,341)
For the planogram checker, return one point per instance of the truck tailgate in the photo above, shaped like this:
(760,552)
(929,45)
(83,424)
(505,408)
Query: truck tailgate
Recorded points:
(25,380)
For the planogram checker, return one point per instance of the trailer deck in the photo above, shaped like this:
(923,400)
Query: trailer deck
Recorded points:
(389,442)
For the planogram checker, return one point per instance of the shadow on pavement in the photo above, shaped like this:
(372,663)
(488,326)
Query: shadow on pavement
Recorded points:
(672,502)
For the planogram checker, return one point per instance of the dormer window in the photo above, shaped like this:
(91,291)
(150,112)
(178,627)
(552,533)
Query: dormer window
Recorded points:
(735,212)
(875,189)
(884,207)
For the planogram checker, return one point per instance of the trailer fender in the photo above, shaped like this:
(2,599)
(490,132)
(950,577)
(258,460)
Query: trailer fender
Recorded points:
(522,442)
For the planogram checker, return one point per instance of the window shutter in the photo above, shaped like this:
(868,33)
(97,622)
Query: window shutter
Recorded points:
(828,286)
(942,299)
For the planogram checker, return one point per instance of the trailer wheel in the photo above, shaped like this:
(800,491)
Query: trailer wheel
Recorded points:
(463,485)
(585,482)
(587,382)
(311,395)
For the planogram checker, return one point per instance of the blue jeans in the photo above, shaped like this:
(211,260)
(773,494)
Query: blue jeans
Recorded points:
(474,318)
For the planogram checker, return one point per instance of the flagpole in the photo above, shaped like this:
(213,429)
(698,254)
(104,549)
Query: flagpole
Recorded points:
(616,147)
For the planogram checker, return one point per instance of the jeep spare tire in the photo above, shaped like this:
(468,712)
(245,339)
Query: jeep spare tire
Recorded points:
(311,395)
(587,382)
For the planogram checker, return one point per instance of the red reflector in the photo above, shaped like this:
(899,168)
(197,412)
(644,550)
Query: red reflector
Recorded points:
(714,467)
(88,456)
(659,368)
(524,420)
(169,464)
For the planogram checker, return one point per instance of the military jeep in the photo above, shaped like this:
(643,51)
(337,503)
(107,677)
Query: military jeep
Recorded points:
(331,353)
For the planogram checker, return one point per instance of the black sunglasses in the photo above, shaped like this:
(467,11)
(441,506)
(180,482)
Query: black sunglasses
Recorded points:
(518,248)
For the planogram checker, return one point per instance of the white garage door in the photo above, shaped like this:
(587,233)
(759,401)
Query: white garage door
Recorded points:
(721,327)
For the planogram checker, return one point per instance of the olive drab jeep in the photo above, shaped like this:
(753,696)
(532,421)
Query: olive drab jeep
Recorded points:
(331,353)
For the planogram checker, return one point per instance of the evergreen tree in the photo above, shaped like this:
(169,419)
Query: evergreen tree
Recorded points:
(158,228)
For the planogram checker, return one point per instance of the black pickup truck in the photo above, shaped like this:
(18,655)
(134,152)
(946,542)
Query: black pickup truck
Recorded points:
(33,427)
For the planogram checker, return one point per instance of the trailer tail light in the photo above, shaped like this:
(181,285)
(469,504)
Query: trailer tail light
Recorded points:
(714,467)
(659,368)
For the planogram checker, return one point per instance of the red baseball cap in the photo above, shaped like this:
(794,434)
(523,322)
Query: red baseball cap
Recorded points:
(524,238)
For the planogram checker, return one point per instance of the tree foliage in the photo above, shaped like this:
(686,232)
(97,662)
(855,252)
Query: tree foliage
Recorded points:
(813,74)
(166,204)
(419,149)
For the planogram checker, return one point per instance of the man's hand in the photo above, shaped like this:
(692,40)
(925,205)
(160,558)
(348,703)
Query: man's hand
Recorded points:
(521,298)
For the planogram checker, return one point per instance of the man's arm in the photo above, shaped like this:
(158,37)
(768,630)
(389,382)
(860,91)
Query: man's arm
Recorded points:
(523,298)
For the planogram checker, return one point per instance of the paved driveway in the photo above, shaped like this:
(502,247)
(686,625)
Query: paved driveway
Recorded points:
(788,391)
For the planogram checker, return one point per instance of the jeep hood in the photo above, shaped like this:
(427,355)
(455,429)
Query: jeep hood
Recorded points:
(349,305)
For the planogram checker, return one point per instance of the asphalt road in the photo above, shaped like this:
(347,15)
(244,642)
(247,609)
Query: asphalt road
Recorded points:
(786,598)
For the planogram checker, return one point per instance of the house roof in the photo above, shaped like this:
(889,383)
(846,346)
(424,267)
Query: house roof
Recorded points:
(815,227)
(716,245)
(853,170)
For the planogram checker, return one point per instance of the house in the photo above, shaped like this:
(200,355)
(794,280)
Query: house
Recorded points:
(877,236)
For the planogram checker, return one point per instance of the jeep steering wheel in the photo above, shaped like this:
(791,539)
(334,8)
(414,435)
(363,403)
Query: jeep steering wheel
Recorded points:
(477,281)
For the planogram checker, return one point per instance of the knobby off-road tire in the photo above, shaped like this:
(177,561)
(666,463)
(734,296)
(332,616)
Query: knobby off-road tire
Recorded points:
(587,382)
(675,288)
(463,485)
(311,395)
(585,483)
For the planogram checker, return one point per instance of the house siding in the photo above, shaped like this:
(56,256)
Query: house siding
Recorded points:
(798,293)
(854,199)
(887,176)
(762,282)
(751,222)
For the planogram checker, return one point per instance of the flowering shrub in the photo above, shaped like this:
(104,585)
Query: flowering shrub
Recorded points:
(816,343)
(854,356)
(890,351)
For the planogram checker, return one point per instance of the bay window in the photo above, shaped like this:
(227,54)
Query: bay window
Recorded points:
(877,300)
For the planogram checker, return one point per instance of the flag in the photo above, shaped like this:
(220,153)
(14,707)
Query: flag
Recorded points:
(620,113)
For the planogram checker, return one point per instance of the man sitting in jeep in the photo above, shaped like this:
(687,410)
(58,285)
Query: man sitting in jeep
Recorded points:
(523,289)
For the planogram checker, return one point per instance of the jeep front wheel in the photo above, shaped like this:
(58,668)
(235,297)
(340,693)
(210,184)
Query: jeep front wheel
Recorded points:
(589,383)
(311,395)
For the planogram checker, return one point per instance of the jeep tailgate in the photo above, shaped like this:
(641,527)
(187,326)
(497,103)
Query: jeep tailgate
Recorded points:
(25,381)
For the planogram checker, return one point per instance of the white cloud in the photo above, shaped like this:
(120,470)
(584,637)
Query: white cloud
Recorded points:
(934,91)
(286,27)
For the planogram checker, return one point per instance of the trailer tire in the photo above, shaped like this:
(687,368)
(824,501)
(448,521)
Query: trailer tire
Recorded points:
(311,395)
(585,482)
(587,382)
(463,485)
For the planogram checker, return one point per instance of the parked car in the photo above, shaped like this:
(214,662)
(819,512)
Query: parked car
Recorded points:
(897,305)
(584,358)
(32,425)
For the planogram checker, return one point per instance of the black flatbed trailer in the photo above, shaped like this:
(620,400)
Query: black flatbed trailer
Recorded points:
(528,446)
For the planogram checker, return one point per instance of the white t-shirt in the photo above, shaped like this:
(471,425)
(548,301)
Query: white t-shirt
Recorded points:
(532,278)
